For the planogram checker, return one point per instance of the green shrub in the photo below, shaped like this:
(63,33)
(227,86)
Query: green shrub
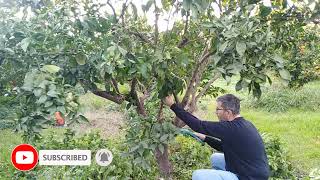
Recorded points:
(8,107)
(279,164)
(188,155)
(279,99)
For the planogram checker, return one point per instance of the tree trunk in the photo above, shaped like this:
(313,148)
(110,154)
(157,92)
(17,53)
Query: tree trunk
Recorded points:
(164,164)
(178,122)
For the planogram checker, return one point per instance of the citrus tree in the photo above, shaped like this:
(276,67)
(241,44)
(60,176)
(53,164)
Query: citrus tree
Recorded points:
(59,50)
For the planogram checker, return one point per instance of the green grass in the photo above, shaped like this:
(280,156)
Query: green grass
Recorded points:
(299,131)
(8,141)
(90,101)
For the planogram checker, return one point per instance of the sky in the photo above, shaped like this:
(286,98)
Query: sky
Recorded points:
(164,21)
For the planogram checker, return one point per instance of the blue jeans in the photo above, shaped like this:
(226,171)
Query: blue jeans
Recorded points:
(217,173)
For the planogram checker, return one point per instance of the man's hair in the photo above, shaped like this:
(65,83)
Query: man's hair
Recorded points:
(230,102)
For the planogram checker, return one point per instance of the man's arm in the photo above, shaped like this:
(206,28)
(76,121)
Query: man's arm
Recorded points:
(211,141)
(214,143)
(214,129)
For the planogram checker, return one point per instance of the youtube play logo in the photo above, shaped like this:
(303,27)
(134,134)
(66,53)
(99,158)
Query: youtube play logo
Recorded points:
(24,157)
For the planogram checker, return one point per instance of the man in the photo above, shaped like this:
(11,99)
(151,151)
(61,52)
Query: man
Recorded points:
(244,155)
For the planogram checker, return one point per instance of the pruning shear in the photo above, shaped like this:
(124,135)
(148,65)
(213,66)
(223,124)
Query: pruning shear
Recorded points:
(187,132)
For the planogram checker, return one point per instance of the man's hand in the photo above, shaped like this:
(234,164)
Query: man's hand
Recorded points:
(169,100)
(201,136)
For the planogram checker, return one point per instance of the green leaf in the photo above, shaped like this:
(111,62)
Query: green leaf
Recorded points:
(52,93)
(52,109)
(9,50)
(81,59)
(278,58)
(37,92)
(42,99)
(25,43)
(223,46)
(285,74)
(239,85)
(83,118)
(52,87)
(186,4)
(135,11)
(269,80)
(143,70)
(147,6)
(61,109)
(167,55)
(50,69)
(48,104)
(122,51)
(256,90)
(241,48)
(144,145)
(24,119)
(161,148)
(28,81)
(194,11)
(223,71)
(207,24)
(164,137)
(264,10)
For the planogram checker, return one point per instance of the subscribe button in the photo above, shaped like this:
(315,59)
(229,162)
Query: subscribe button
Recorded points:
(65,157)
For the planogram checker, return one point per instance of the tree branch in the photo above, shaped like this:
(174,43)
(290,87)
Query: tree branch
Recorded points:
(160,113)
(207,86)
(124,8)
(176,98)
(107,95)
(147,92)
(115,85)
(141,37)
(197,72)
(139,102)
(185,40)
(113,10)
(186,24)
(156,27)
(219,5)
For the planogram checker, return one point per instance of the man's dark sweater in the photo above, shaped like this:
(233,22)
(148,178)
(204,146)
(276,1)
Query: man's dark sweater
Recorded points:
(241,144)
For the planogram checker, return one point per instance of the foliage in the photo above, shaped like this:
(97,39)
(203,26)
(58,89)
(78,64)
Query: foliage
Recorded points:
(298,41)
(40,97)
(145,134)
(279,163)
(8,108)
(247,50)
(188,155)
(279,99)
